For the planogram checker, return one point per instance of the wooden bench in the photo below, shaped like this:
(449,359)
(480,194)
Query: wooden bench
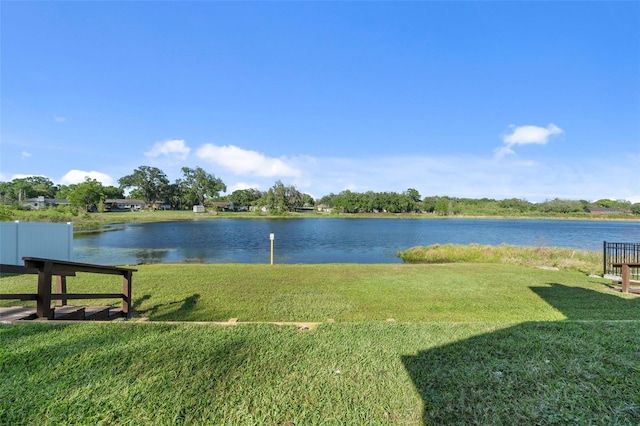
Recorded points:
(46,269)
(61,283)
(626,273)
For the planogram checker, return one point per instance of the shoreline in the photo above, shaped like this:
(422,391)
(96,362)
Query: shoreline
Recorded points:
(98,221)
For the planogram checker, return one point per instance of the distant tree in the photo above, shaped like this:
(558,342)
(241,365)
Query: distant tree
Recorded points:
(276,198)
(447,206)
(429,204)
(615,204)
(245,197)
(515,204)
(40,186)
(605,203)
(86,195)
(392,202)
(348,202)
(64,190)
(442,206)
(148,183)
(7,194)
(413,195)
(373,202)
(112,192)
(177,195)
(414,200)
(293,198)
(21,189)
(307,200)
(561,206)
(138,194)
(585,204)
(281,198)
(326,200)
(200,185)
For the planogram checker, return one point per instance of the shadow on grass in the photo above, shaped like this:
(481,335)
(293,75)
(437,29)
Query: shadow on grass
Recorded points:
(140,300)
(170,311)
(582,304)
(566,372)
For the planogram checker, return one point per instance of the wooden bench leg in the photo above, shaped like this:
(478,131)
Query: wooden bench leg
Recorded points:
(626,277)
(61,287)
(126,293)
(43,304)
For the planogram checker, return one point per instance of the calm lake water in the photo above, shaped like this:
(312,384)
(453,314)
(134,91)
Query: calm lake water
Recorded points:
(331,240)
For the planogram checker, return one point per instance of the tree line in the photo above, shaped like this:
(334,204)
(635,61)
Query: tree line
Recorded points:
(198,187)
(151,185)
(410,201)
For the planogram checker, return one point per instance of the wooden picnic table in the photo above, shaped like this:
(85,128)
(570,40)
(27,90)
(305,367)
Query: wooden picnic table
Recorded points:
(46,269)
(626,273)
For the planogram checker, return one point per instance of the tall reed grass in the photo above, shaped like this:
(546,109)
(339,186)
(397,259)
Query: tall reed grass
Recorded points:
(542,257)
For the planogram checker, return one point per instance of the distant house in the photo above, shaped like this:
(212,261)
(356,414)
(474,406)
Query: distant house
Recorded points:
(116,204)
(159,205)
(42,202)
(605,210)
(222,206)
(262,209)
(198,209)
(305,209)
(324,208)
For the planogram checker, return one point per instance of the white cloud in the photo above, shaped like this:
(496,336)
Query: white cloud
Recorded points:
(245,162)
(25,154)
(469,176)
(457,176)
(59,119)
(79,176)
(172,148)
(242,185)
(524,135)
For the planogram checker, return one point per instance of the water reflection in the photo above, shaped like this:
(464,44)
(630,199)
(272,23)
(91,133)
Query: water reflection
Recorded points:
(147,255)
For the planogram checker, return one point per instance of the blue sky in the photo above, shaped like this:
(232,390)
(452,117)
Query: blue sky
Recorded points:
(533,100)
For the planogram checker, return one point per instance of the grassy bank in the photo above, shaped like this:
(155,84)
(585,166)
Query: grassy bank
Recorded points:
(469,343)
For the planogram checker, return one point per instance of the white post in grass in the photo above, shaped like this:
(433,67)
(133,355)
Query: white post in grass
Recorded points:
(272,237)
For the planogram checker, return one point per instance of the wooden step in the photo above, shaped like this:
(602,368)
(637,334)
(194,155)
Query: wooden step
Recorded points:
(17,313)
(115,313)
(96,313)
(75,313)
(68,313)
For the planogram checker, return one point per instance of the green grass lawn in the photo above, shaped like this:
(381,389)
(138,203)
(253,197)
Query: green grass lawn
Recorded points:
(469,344)
(349,292)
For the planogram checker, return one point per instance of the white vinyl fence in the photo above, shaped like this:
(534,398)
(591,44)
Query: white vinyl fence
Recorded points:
(35,239)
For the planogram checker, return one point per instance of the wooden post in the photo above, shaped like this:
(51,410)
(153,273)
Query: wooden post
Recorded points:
(61,287)
(127,277)
(43,305)
(626,277)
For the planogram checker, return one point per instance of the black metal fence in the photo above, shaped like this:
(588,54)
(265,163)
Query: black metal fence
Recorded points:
(621,253)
